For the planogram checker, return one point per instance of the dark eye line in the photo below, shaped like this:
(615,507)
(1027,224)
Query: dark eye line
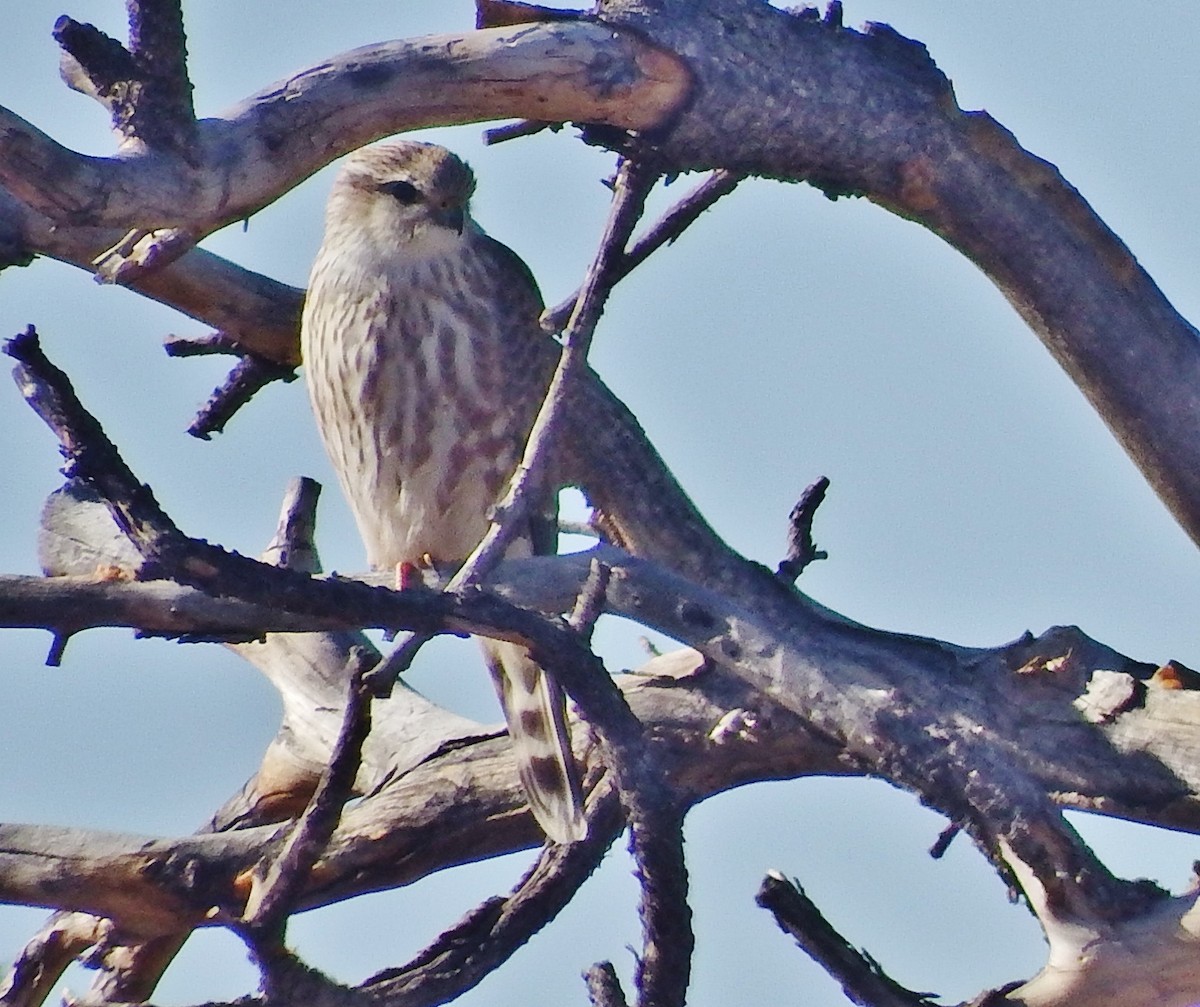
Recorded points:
(401,191)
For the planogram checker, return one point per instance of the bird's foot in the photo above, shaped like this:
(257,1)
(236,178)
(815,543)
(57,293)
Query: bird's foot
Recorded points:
(409,574)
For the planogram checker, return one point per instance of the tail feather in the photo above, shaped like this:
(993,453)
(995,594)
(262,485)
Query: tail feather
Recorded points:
(535,710)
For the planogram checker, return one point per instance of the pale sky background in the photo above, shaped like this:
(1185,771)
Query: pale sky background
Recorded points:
(974,494)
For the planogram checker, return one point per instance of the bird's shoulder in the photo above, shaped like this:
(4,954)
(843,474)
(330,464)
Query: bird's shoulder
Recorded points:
(519,281)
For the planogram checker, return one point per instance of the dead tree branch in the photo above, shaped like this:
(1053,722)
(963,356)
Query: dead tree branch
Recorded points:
(633,184)
(250,375)
(991,738)
(860,975)
(276,884)
(603,986)
(801,549)
(566,70)
(489,935)
(1088,895)
(664,231)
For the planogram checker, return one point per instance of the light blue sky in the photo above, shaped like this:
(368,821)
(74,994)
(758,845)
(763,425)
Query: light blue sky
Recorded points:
(974,494)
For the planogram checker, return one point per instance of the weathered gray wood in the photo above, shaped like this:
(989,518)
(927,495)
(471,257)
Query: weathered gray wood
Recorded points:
(987,736)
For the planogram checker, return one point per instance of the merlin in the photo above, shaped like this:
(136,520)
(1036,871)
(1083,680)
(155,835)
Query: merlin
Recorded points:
(426,367)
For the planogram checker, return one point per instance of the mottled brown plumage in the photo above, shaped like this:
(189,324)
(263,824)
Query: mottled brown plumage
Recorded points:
(426,368)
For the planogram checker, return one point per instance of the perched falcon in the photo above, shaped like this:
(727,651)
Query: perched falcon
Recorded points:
(426,367)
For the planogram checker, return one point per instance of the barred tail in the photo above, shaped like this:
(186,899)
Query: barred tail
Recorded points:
(535,709)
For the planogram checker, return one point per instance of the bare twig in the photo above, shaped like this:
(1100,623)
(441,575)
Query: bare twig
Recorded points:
(603,986)
(943,841)
(590,604)
(489,935)
(147,91)
(203,346)
(654,812)
(144,87)
(294,543)
(515,130)
(669,227)
(860,975)
(665,964)
(634,181)
(160,112)
(89,453)
(98,65)
(382,678)
(274,886)
(58,647)
(250,375)
(801,550)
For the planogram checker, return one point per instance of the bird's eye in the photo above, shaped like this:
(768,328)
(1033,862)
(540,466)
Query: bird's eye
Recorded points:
(402,192)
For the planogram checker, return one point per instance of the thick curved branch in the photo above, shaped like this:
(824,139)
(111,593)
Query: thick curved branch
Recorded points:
(565,70)
(870,114)
(254,311)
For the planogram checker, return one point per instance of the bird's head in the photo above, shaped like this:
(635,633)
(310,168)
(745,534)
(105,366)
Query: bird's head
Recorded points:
(408,192)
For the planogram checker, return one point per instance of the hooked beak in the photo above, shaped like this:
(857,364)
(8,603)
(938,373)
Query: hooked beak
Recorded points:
(453,217)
